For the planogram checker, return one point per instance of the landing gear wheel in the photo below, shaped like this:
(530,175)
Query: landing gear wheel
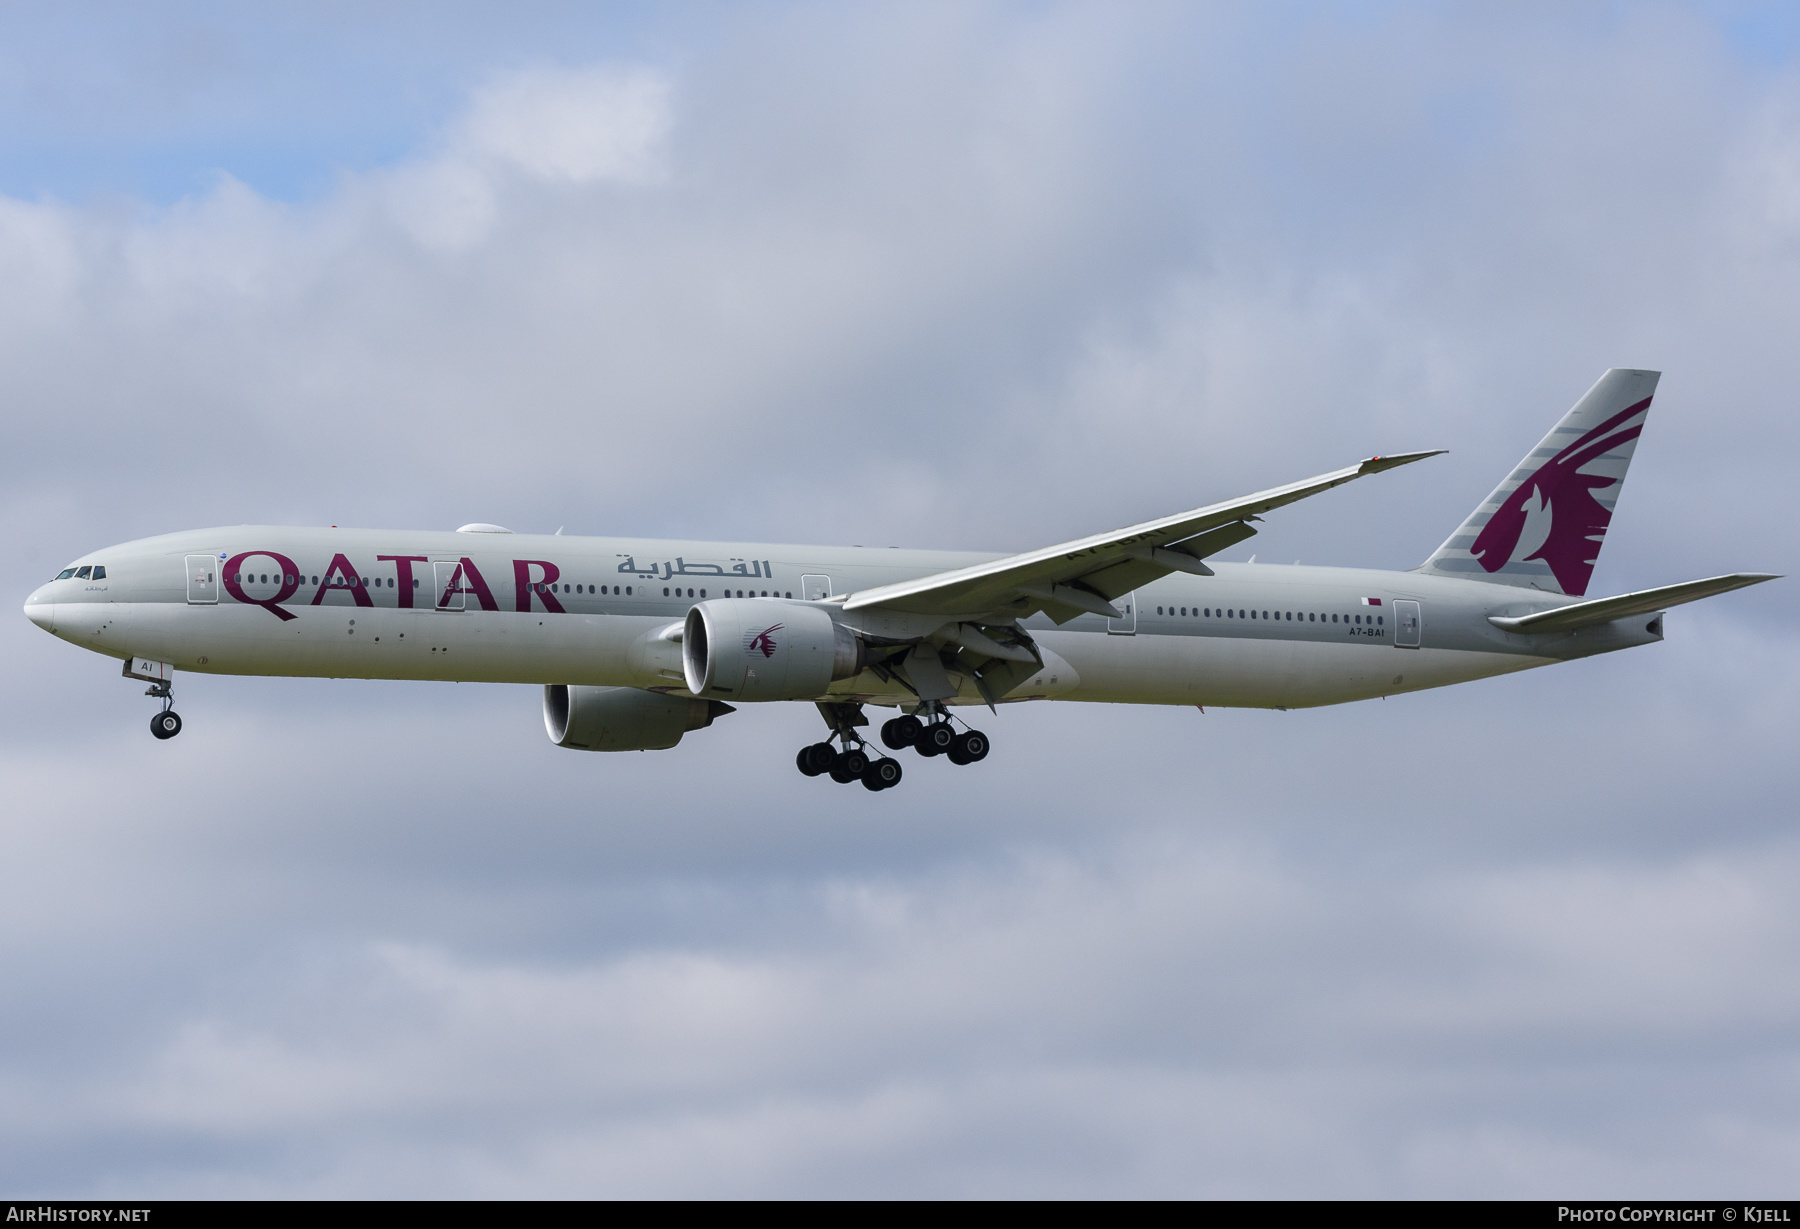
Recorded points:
(816,759)
(883,773)
(901,732)
(968,748)
(848,766)
(165,725)
(935,739)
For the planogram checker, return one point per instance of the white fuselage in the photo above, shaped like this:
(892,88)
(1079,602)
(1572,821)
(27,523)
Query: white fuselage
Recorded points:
(349,603)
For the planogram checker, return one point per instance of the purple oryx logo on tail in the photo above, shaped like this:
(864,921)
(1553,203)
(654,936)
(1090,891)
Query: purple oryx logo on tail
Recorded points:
(1559,500)
(762,642)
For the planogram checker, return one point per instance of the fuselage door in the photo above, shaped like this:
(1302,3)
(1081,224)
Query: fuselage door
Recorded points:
(1408,623)
(447,584)
(203,580)
(1127,625)
(817,588)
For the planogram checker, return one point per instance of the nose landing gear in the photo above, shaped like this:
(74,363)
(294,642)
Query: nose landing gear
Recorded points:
(160,675)
(166,724)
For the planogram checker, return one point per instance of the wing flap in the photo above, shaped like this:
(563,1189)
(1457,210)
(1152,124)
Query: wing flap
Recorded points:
(1606,609)
(1117,580)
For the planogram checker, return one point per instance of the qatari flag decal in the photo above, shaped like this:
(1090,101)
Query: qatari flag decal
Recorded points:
(1371,601)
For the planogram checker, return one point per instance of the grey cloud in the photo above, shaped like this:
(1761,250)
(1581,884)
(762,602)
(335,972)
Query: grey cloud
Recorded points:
(1076,1010)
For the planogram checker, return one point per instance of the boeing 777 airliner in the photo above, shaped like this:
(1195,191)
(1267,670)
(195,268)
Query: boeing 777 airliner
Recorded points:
(638,642)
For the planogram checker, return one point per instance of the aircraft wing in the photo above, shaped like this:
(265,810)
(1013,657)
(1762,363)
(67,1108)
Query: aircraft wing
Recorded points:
(1082,577)
(1606,609)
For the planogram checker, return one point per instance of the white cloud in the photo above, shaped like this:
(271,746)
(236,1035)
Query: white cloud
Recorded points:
(554,125)
(572,126)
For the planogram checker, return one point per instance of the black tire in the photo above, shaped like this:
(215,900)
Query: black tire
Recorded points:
(165,725)
(972,746)
(883,773)
(901,732)
(848,766)
(816,759)
(935,739)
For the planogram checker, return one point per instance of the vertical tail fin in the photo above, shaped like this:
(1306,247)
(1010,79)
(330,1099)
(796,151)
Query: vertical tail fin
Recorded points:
(1544,525)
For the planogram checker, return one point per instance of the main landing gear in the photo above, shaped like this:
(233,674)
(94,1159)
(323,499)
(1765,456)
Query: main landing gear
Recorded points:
(938,737)
(850,764)
(851,761)
(166,724)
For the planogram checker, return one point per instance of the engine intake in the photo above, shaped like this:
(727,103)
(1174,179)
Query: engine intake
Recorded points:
(760,649)
(622,718)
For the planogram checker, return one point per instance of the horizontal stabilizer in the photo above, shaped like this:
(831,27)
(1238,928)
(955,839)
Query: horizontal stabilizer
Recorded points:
(1606,609)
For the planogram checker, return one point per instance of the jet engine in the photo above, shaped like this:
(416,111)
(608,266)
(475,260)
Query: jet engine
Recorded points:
(622,718)
(758,649)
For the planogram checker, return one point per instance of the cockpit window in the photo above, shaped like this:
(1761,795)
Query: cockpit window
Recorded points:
(99,572)
(65,573)
(83,573)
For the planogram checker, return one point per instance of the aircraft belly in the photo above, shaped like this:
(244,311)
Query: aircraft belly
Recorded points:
(1246,672)
(1183,670)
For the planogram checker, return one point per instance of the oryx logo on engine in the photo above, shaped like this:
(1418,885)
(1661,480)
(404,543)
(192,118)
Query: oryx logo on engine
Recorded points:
(761,642)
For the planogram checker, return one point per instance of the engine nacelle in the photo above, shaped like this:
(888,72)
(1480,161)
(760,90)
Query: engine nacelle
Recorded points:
(760,649)
(622,718)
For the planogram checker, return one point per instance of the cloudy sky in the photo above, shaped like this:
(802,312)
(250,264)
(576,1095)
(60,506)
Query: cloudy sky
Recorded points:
(971,276)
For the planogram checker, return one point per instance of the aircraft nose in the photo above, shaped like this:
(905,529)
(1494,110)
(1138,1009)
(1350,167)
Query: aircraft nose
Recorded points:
(41,612)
